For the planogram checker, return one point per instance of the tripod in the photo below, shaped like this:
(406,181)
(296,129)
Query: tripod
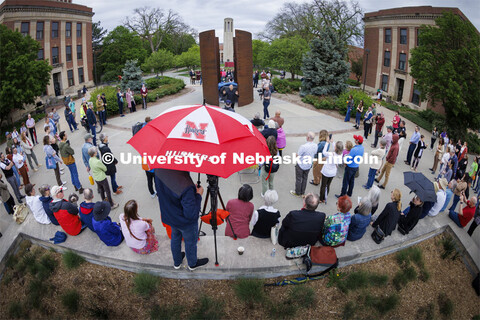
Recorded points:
(212,193)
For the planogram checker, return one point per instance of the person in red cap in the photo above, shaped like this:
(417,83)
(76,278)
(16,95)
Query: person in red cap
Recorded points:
(352,162)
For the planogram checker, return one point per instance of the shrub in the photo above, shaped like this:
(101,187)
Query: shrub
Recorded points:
(446,305)
(282,309)
(98,312)
(71,300)
(208,308)
(349,310)
(302,296)
(382,304)
(352,82)
(36,291)
(404,276)
(249,290)
(341,101)
(473,142)
(145,284)
(16,311)
(325,102)
(426,312)
(360,280)
(11,261)
(71,260)
(448,245)
(166,312)
(286,85)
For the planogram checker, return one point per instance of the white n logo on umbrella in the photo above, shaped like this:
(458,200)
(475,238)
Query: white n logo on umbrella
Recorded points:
(191,127)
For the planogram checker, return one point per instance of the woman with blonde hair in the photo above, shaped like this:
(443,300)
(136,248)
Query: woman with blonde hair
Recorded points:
(329,169)
(27,146)
(317,166)
(138,232)
(387,220)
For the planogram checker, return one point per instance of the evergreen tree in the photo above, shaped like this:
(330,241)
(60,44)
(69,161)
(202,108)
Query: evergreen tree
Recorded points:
(325,69)
(132,76)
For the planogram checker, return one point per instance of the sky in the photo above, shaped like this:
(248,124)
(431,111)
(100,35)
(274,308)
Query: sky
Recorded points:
(248,15)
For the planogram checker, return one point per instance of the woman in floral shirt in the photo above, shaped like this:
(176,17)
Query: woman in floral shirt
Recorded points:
(335,229)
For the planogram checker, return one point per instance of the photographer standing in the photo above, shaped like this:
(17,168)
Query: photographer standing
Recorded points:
(67,152)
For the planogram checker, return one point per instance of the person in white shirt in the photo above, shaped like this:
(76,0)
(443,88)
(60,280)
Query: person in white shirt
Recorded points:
(440,186)
(265,217)
(379,154)
(445,159)
(306,152)
(35,205)
(31,128)
(18,159)
(329,169)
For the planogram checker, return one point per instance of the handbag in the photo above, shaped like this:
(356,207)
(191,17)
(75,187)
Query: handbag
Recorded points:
(68,160)
(20,213)
(297,252)
(378,235)
(51,163)
(90,178)
(323,256)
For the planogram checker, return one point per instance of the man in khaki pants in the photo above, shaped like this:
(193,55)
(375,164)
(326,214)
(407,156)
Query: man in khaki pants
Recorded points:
(317,166)
(391,159)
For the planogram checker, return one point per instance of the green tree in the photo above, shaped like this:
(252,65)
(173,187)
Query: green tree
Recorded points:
(357,67)
(190,58)
(132,76)
(446,66)
(259,48)
(22,76)
(177,44)
(325,69)
(159,61)
(286,54)
(98,33)
(119,46)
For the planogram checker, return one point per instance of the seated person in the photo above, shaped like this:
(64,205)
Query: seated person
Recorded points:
(86,208)
(302,227)
(360,220)
(65,212)
(387,220)
(257,121)
(410,216)
(265,217)
(35,205)
(45,198)
(138,232)
(335,230)
(228,106)
(466,212)
(241,212)
(107,230)
(441,186)
(270,130)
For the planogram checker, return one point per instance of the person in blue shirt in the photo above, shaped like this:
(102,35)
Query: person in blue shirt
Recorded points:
(92,122)
(360,220)
(351,167)
(108,231)
(413,144)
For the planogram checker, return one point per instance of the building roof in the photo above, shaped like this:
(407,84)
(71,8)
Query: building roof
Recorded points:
(412,12)
(44,5)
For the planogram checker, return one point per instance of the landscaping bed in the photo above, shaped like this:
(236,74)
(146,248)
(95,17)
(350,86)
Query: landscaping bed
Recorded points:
(426,281)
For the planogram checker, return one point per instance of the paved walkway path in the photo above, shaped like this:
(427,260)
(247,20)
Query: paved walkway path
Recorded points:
(257,259)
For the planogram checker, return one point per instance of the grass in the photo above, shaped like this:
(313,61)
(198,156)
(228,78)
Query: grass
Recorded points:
(412,254)
(448,245)
(15,310)
(358,280)
(98,312)
(166,312)
(11,261)
(46,266)
(446,305)
(249,291)
(71,260)
(208,308)
(426,312)
(36,291)
(302,295)
(71,300)
(404,276)
(382,304)
(349,310)
(145,284)
(282,309)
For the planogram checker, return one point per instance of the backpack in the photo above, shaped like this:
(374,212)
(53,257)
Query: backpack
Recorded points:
(275,166)
(136,127)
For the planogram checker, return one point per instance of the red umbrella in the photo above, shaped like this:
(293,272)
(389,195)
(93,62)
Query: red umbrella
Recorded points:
(205,139)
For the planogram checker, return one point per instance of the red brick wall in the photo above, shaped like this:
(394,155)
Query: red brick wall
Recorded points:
(89,52)
(371,43)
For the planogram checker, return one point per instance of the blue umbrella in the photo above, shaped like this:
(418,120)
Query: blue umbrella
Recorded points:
(420,185)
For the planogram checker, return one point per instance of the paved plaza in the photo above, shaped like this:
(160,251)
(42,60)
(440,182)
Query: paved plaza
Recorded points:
(257,259)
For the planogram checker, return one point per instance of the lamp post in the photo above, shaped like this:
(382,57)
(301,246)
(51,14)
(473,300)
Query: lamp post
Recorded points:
(367,51)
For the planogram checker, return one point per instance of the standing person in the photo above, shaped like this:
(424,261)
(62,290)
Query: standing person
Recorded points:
(138,232)
(256,76)
(100,109)
(375,165)
(379,122)
(438,156)
(128,98)
(417,154)
(445,163)
(6,166)
(144,93)
(358,115)
(281,139)
(56,119)
(413,144)
(463,151)
(71,105)
(350,105)
(268,168)
(103,114)
(18,159)
(473,170)
(396,121)
(476,220)
(180,202)
(67,152)
(51,153)
(111,166)
(87,145)
(120,102)
(98,171)
(335,228)
(231,94)
(31,128)
(70,119)
(65,212)
(387,220)
(84,90)
(329,169)
(23,129)
(434,137)
(150,173)
(388,137)
(306,152)
(27,146)
(390,162)
(6,197)
(367,122)
(402,134)
(351,167)
(267,95)
(35,205)
(92,122)
(317,162)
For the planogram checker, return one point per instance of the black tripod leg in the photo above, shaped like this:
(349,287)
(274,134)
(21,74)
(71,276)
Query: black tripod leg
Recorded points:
(203,213)
(215,240)
(228,218)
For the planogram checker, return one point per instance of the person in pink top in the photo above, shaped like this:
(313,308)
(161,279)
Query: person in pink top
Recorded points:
(138,232)
(241,212)
(281,139)
(396,120)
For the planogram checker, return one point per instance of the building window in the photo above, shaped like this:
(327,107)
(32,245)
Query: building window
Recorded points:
(70,78)
(79,30)
(40,30)
(402,61)
(80,75)
(68,29)
(388,35)
(40,55)
(418,39)
(79,52)
(54,55)
(416,96)
(68,50)
(403,36)
(25,28)
(54,29)
(384,82)
(386,59)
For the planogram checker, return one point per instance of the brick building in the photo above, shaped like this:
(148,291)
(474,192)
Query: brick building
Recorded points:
(64,31)
(389,36)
